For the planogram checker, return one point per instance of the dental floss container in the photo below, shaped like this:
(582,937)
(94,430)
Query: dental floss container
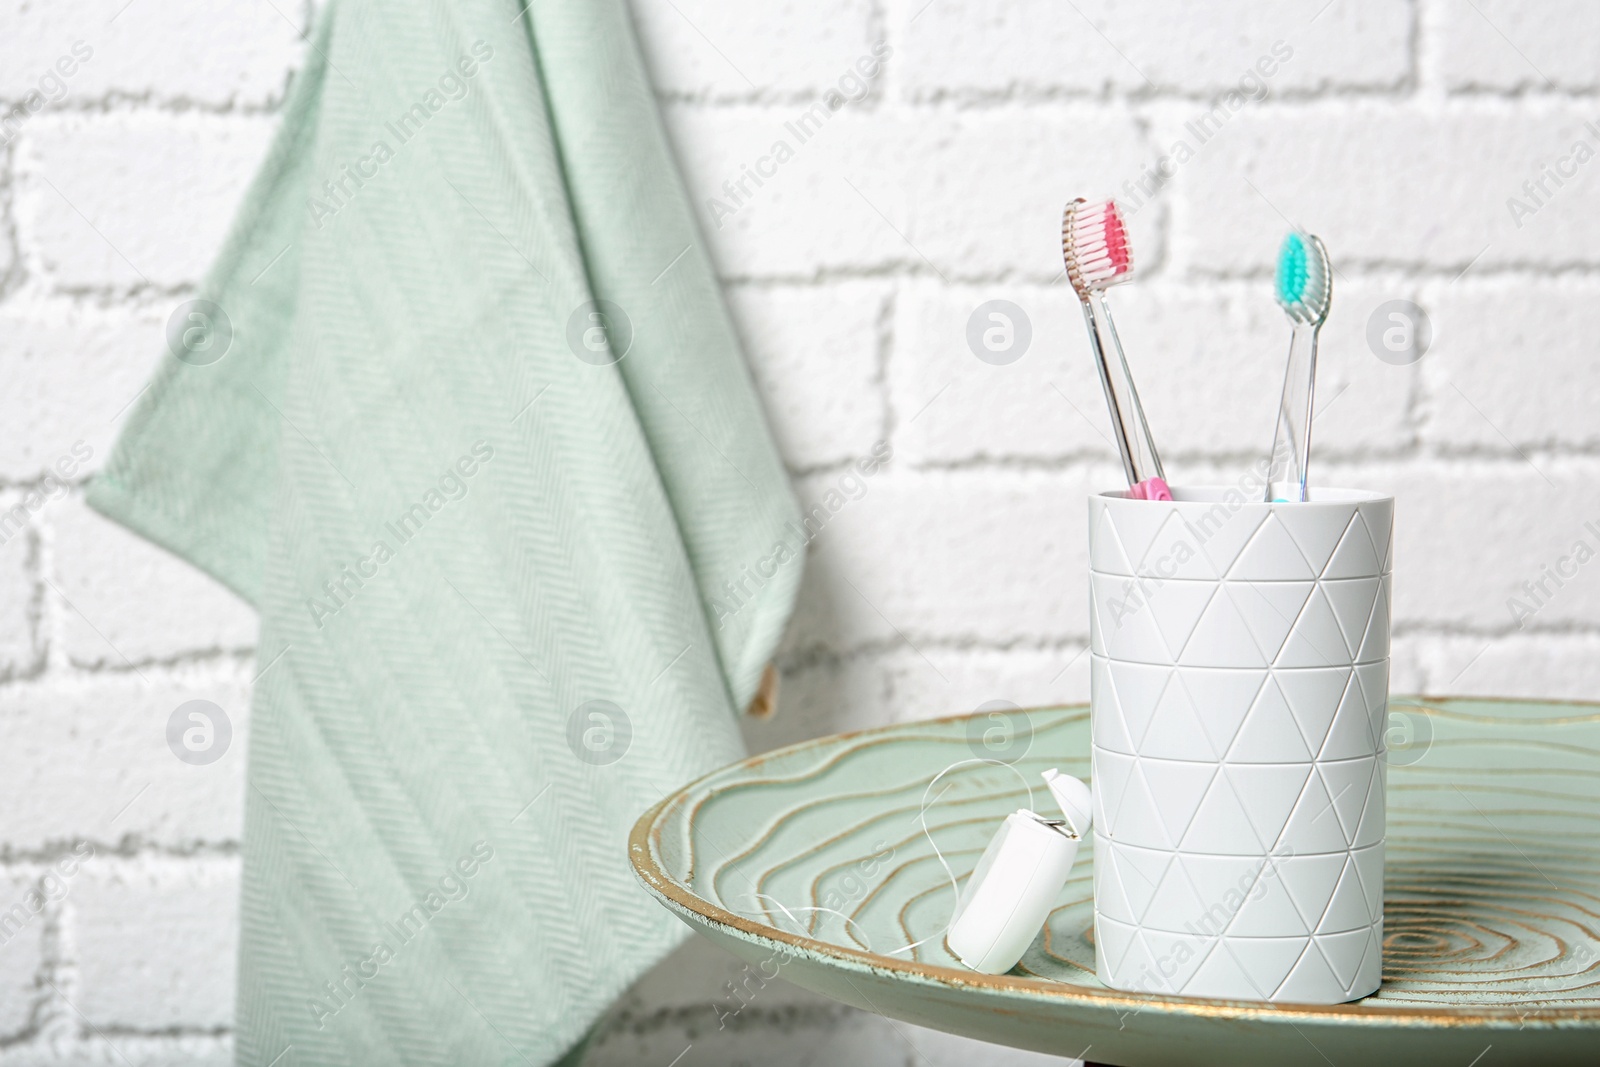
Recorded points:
(1015,884)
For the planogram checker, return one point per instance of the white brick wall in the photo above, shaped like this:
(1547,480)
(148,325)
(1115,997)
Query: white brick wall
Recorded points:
(1396,130)
(136,197)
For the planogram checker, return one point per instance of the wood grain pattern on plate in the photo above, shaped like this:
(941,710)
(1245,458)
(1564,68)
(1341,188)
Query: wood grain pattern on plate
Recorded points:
(812,860)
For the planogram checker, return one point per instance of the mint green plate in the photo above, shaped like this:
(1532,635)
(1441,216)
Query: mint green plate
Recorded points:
(810,862)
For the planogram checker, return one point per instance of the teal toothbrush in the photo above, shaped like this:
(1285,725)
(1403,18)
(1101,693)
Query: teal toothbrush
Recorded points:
(1304,290)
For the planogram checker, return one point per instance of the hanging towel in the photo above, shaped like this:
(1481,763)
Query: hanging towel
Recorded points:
(459,410)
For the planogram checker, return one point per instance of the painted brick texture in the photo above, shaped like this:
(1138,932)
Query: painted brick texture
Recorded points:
(1432,143)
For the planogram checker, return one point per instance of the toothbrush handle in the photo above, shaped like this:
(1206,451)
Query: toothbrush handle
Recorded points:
(1140,461)
(1291,446)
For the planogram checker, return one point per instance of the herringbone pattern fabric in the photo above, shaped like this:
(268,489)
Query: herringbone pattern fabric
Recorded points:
(459,533)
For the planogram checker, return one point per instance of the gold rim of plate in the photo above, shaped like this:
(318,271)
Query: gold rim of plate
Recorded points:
(644,844)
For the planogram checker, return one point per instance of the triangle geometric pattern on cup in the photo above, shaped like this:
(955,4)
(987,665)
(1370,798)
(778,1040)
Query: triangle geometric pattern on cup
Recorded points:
(1221,883)
(1314,826)
(1221,637)
(1352,600)
(1106,554)
(1122,624)
(1176,788)
(1219,809)
(1142,871)
(1348,908)
(1136,528)
(1226,696)
(1344,952)
(1127,880)
(1349,785)
(1311,975)
(1274,612)
(1221,825)
(1371,828)
(1320,967)
(1110,729)
(1239,687)
(1139,966)
(1379,518)
(1270,732)
(1240,716)
(1109,899)
(1266,961)
(1317,639)
(1222,542)
(1356,556)
(1356,730)
(1118,904)
(1317,968)
(1375,646)
(1314,697)
(1268,793)
(1174,896)
(1369,869)
(1314,534)
(1175,730)
(1285,624)
(1373,678)
(1272,556)
(1137,689)
(1135,820)
(1177,608)
(1311,881)
(1191,541)
(1112,940)
(1177,956)
(1172,553)
(1223,976)
(1268,910)
(1370,974)
(1241,624)
(1111,774)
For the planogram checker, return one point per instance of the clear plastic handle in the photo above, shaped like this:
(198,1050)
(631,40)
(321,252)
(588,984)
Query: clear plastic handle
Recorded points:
(1140,462)
(1291,446)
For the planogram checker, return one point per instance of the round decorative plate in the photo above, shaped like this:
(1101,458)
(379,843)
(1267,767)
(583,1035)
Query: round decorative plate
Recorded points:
(835,865)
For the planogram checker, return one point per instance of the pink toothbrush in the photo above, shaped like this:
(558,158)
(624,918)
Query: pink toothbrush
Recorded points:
(1094,243)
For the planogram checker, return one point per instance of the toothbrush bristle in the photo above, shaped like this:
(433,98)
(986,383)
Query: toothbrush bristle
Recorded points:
(1291,269)
(1303,284)
(1094,243)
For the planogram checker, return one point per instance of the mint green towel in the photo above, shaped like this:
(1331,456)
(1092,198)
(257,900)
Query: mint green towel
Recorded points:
(509,596)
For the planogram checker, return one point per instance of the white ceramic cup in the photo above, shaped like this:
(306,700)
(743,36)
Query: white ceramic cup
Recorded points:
(1239,695)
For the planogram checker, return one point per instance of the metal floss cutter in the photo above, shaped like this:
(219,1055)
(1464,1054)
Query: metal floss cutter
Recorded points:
(1015,884)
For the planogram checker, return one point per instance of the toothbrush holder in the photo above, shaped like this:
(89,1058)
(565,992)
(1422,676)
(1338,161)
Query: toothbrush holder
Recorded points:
(1239,695)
